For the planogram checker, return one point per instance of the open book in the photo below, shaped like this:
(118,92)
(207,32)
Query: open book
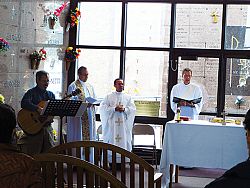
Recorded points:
(92,100)
(194,101)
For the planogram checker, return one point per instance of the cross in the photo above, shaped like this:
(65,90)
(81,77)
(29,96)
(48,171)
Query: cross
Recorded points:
(119,121)
(215,16)
(118,138)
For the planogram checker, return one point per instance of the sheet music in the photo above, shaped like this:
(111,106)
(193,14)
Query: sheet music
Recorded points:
(92,100)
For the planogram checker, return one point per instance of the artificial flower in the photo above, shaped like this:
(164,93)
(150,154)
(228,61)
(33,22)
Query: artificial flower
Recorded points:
(72,54)
(38,55)
(4,45)
(1,98)
(58,11)
(73,18)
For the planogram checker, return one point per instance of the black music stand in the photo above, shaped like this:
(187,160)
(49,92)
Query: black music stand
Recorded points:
(61,108)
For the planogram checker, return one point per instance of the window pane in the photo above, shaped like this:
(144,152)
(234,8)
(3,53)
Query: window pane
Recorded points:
(103,67)
(198,26)
(100,24)
(146,78)
(237,27)
(204,74)
(237,86)
(148,24)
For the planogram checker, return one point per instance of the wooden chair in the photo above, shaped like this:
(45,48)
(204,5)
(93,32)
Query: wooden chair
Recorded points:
(146,151)
(137,167)
(57,171)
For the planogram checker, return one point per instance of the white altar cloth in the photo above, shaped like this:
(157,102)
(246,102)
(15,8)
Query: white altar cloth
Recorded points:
(200,143)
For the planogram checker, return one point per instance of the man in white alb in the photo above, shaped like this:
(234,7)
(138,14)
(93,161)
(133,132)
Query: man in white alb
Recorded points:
(117,113)
(187,91)
(82,128)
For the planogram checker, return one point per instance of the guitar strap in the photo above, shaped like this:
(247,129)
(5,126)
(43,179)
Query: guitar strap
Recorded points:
(84,118)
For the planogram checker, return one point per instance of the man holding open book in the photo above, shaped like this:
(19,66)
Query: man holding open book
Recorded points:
(187,96)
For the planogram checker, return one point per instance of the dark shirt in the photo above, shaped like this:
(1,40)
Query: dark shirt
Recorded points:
(33,96)
(237,176)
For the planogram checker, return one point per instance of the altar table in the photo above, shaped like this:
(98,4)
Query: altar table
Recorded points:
(199,143)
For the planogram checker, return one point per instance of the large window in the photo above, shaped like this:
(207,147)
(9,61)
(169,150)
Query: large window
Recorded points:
(142,43)
(237,30)
(103,67)
(237,85)
(198,26)
(148,24)
(100,24)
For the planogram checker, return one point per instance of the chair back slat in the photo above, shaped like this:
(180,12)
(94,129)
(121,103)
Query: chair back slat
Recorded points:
(60,177)
(78,152)
(123,169)
(79,176)
(70,175)
(141,177)
(132,174)
(52,164)
(105,153)
(114,163)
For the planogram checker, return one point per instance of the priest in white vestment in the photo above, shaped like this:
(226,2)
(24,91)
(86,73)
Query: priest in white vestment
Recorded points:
(117,112)
(187,91)
(82,128)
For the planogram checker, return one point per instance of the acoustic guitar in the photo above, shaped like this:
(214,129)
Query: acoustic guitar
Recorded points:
(32,122)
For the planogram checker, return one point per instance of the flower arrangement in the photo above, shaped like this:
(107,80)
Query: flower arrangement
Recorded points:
(53,16)
(58,11)
(4,45)
(71,55)
(74,17)
(36,57)
(39,55)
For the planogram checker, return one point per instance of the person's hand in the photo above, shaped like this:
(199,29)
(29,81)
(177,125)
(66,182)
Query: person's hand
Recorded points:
(190,104)
(119,108)
(183,103)
(39,109)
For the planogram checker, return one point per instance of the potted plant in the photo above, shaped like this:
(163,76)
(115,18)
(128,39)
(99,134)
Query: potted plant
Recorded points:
(71,55)
(36,57)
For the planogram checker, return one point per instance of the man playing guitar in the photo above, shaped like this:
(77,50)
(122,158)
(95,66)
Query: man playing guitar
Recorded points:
(42,140)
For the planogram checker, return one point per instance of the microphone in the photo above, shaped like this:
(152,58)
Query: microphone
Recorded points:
(74,93)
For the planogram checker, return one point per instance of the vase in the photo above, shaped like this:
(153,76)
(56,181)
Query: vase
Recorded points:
(52,23)
(34,64)
(67,65)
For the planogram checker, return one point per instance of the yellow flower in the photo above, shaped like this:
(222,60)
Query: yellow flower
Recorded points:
(70,48)
(1,98)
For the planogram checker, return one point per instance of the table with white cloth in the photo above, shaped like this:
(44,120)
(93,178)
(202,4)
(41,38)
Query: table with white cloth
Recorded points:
(199,143)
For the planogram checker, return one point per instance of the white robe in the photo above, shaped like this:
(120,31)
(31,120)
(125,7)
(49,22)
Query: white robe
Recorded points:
(117,126)
(74,125)
(189,92)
